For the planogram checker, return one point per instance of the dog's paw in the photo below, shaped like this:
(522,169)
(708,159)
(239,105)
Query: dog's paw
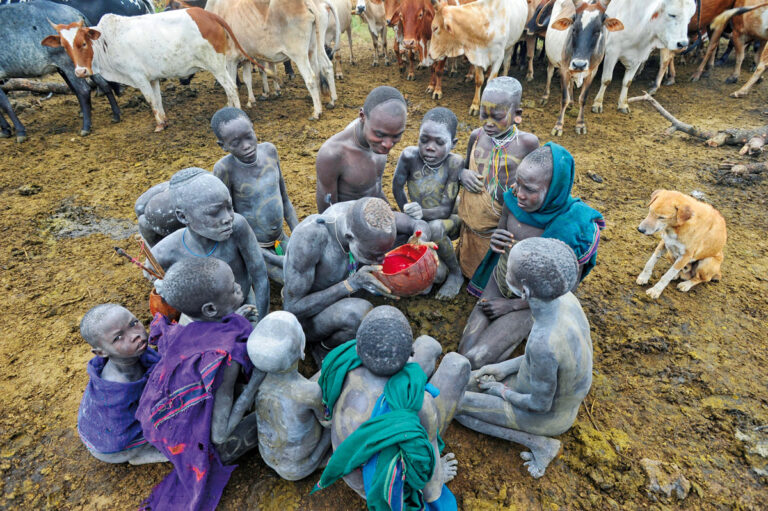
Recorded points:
(643,279)
(654,292)
(685,286)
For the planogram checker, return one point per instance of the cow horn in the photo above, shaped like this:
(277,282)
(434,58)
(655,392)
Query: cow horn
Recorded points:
(55,27)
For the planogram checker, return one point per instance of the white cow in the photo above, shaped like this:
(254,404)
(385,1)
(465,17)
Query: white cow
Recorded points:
(373,13)
(484,31)
(141,50)
(648,24)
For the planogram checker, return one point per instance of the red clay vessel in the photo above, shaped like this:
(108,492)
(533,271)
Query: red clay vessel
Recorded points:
(409,269)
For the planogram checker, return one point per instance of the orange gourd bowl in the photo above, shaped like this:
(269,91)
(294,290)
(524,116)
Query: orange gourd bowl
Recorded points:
(408,270)
(157,304)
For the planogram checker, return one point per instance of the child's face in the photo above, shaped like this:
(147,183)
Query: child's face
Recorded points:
(228,295)
(210,214)
(498,112)
(531,186)
(239,139)
(122,336)
(435,142)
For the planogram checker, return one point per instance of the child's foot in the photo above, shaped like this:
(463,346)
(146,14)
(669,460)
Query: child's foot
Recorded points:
(451,286)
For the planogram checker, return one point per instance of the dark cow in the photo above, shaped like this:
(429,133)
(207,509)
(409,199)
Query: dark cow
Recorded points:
(93,10)
(575,45)
(24,26)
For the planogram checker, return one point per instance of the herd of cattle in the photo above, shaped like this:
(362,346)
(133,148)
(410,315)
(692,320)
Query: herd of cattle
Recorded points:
(115,42)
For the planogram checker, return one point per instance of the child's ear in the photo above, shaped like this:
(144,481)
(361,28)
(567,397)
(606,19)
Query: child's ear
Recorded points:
(454,142)
(518,116)
(209,310)
(99,352)
(181,217)
(220,143)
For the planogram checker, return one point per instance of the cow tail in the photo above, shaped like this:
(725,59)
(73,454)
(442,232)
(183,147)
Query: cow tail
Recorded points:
(721,20)
(226,27)
(337,40)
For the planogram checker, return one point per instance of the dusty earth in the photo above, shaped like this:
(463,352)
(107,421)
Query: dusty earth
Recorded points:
(681,380)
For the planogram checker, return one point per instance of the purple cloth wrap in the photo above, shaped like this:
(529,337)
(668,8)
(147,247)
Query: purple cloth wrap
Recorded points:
(177,406)
(107,420)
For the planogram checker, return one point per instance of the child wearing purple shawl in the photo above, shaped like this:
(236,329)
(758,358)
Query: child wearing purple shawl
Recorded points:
(117,374)
(186,410)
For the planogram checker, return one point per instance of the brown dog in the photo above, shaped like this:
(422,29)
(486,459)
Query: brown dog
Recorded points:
(693,235)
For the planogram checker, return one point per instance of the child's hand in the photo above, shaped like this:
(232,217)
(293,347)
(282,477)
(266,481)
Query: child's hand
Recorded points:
(413,210)
(501,240)
(249,312)
(493,388)
(471,180)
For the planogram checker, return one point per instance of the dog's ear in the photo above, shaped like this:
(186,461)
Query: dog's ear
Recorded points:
(684,213)
(654,196)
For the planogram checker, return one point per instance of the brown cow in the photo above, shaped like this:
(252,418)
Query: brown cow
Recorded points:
(750,23)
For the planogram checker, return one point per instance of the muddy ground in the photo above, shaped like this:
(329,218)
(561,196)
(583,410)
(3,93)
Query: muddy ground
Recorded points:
(681,380)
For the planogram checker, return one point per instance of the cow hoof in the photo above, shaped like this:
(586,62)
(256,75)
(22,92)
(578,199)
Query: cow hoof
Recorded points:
(653,90)
(696,77)
(474,110)
(314,117)
(410,77)
(670,81)
(387,63)
(597,109)
(453,73)
(330,106)
(115,119)
(557,131)
(581,129)
(623,109)
(339,76)
(529,77)
(732,79)
(738,94)
(85,133)
(159,128)
(437,95)
(5,134)
(263,97)
(20,138)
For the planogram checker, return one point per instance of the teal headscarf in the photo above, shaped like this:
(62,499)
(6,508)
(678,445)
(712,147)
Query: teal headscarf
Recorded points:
(562,217)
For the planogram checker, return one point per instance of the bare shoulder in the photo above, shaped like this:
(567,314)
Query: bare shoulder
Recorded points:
(455,165)
(309,234)
(240,225)
(268,148)
(528,141)
(410,154)
(221,167)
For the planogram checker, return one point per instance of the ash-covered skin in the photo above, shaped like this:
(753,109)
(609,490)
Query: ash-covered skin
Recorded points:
(156,214)
(499,111)
(362,387)
(113,332)
(203,204)
(543,388)
(318,284)
(288,406)
(205,290)
(384,359)
(253,176)
(431,174)
(497,323)
(351,163)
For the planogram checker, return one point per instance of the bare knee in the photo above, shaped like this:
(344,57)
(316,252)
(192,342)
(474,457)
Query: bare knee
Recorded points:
(458,366)
(437,230)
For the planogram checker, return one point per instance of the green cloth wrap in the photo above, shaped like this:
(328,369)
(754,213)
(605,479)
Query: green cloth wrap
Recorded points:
(397,434)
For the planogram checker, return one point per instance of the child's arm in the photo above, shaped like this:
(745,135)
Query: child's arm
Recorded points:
(221,171)
(254,262)
(289,213)
(222,403)
(328,168)
(245,400)
(399,180)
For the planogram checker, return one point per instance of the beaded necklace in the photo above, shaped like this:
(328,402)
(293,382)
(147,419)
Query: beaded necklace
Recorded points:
(494,162)
(183,242)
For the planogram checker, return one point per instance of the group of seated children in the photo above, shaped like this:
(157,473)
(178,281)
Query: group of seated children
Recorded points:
(224,379)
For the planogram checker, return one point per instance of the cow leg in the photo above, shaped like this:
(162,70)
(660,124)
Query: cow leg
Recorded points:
(107,90)
(530,49)
(225,80)
(349,38)
(326,70)
(629,75)
(671,73)
(740,46)
(608,64)
(437,74)
(665,57)
(313,85)
(21,131)
(565,101)
(248,80)
(264,86)
(158,99)
(411,75)
(581,126)
(550,72)
(375,41)
(83,92)
(755,76)
(384,44)
(149,95)
(337,70)
(276,80)
(474,108)
(507,61)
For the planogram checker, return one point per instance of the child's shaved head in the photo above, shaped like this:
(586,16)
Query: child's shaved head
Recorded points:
(546,266)
(505,86)
(225,115)
(92,324)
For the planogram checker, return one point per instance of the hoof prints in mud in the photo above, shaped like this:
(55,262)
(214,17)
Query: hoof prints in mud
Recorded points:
(71,221)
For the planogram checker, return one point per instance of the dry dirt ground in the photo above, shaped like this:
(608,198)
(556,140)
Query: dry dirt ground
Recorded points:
(680,380)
